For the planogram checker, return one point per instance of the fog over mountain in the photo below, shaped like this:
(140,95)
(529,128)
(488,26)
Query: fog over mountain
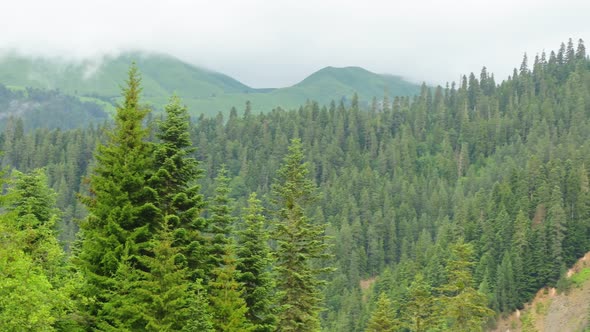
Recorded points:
(276,44)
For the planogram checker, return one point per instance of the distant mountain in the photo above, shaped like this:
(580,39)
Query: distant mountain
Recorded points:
(204,91)
(333,83)
(161,76)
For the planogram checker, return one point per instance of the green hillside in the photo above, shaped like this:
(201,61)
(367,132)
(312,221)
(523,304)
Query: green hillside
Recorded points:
(162,75)
(334,83)
(202,90)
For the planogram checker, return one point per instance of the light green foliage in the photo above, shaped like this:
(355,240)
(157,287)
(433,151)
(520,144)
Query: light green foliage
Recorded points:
(34,293)
(419,314)
(463,307)
(581,277)
(228,308)
(27,298)
(200,319)
(123,217)
(383,318)
(35,217)
(528,323)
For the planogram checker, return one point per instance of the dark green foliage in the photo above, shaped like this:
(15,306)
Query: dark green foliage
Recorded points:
(220,223)
(300,243)
(48,109)
(174,180)
(254,269)
(503,166)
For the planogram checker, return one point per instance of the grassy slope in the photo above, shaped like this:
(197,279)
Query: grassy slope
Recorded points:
(162,75)
(552,311)
(202,90)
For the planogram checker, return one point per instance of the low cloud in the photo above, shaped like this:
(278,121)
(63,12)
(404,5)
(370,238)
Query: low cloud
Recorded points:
(278,43)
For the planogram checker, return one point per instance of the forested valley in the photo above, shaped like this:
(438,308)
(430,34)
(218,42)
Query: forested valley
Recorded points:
(435,212)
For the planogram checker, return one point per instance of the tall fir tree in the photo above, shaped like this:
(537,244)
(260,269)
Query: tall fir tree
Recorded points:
(175,181)
(228,308)
(122,217)
(254,268)
(463,307)
(220,223)
(301,246)
(419,314)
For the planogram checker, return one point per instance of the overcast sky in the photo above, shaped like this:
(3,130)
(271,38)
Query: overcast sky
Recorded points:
(266,43)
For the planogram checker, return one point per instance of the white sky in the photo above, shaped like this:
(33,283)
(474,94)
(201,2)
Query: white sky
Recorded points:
(266,43)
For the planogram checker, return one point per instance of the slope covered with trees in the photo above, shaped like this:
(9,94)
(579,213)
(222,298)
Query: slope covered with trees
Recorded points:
(470,196)
(50,109)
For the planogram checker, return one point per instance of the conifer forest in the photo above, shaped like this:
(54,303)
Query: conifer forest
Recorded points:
(439,211)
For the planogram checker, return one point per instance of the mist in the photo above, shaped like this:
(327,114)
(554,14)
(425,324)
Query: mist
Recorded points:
(276,44)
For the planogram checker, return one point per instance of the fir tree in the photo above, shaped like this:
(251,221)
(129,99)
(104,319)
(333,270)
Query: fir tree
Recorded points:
(228,308)
(300,244)
(200,319)
(419,313)
(164,292)
(174,180)
(464,308)
(220,224)
(34,286)
(122,217)
(254,264)
(36,216)
(383,318)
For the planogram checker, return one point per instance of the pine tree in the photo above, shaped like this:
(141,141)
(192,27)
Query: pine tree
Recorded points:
(300,246)
(505,285)
(419,313)
(122,217)
(220,224)
(463,306)
(164,292)
(383,318)
(174,180)
(228,308)
(254,264)
(34,293)
(200,319)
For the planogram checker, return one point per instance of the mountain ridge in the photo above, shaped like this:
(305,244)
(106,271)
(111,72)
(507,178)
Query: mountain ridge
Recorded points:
(203,90)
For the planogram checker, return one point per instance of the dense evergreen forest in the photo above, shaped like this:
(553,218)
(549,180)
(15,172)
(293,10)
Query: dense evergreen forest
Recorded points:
(436,212)
(51,109)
